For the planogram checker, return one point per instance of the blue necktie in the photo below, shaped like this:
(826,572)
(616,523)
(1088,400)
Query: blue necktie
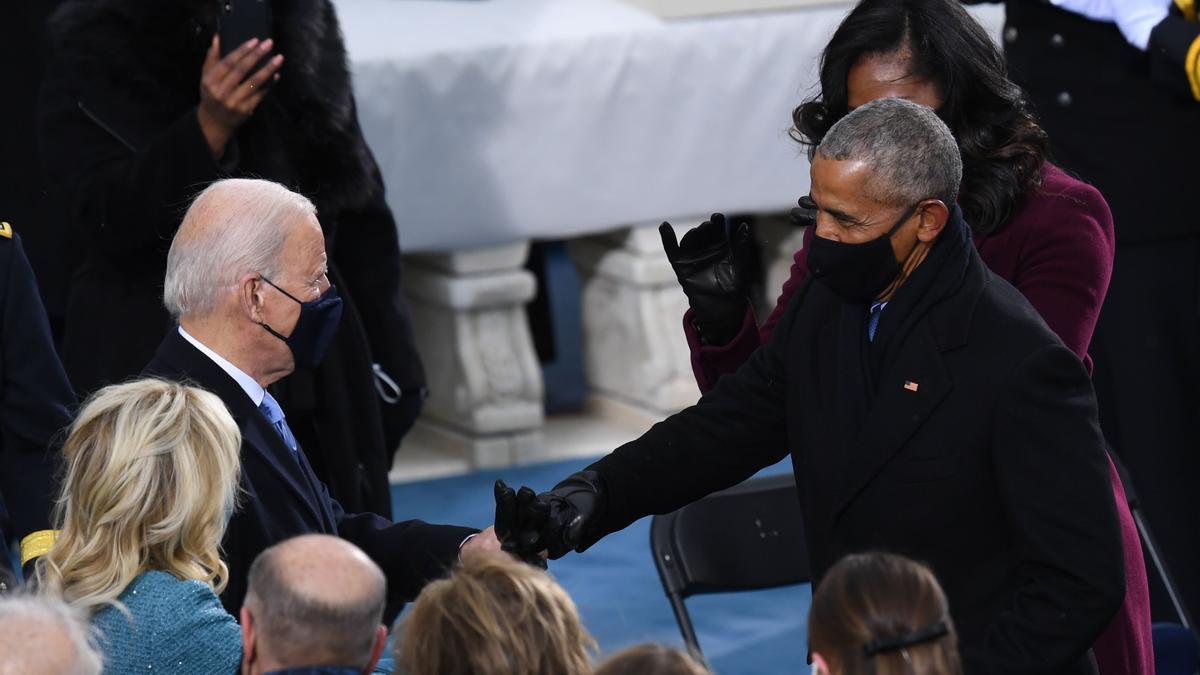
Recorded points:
(873,322)
(274,414)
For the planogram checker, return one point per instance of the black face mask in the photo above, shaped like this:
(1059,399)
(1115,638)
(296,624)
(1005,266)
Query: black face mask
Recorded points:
(857,272)
(314,330)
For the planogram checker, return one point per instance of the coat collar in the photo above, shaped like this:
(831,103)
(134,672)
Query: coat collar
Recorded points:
(179,360)
(910,387)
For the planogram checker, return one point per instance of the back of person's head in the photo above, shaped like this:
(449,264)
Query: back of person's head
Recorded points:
(1002,145)
(151,478)
(882,614)
(911,153)
(313,600)
(494,617)
(44,636)
(234,227)
(651,659)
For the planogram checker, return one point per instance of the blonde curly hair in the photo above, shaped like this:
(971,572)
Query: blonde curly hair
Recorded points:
(151,474)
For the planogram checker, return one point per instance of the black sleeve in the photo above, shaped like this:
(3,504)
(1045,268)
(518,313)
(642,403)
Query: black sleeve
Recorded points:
(127,175)
(1175,54)
(1053,475)
(737,428)
(36,400)
(411,553)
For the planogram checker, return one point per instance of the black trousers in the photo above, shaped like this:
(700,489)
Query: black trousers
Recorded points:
(1147,355)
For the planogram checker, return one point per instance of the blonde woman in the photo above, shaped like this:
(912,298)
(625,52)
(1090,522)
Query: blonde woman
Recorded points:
(152,471)
(494,617)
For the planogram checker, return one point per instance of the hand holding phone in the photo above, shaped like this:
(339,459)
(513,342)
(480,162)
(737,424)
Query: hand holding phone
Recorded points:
(231,87)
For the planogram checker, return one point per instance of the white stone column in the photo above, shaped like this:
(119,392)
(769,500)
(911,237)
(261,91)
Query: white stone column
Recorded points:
(634,347)
(485,384)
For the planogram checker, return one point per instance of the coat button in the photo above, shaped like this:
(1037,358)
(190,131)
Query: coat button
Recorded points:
(1057,40)
(1064,99)
(1010,34)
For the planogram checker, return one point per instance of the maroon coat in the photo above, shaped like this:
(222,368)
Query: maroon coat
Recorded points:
(1057,249)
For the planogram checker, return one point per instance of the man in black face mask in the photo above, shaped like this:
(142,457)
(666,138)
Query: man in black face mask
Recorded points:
(927,409)
(246,280)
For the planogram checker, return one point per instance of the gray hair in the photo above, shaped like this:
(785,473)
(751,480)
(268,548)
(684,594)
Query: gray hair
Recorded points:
(299,628)
(910,150)
(40,628)
(234,227)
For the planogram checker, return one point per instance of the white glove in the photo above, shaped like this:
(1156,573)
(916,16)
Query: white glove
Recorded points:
(1135,18)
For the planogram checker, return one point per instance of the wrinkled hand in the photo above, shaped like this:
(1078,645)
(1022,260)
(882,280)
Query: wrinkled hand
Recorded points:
(230,92)
(535,526)
(482,546)
(713,265)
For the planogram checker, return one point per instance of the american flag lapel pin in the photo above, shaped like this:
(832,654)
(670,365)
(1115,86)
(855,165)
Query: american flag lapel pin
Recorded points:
(911,386)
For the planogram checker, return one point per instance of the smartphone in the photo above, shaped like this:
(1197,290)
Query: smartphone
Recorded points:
(242,20)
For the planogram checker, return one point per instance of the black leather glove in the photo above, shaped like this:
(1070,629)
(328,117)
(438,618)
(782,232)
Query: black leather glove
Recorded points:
(554,522)
(805,212)
(713,266)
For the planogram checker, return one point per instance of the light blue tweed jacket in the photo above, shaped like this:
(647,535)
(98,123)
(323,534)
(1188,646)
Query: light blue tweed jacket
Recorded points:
(178,627)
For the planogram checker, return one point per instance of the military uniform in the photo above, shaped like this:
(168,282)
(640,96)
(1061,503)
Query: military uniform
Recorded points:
(1125,119)
(36,402)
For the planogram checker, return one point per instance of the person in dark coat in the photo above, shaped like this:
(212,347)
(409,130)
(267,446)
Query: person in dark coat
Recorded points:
(138,113)
(1121,114)
(927,408)
(246,278)
(1046,233)
(36,404)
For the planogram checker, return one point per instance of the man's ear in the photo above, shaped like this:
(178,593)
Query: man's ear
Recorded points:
(250,289)
(381,636)
(248,646)
(933,214)
(819,665)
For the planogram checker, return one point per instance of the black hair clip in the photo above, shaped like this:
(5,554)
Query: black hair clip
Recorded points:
(888,644)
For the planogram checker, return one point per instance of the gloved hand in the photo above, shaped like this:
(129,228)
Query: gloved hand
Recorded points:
(713,266)
(553,522)
(805,212)
(1135,18)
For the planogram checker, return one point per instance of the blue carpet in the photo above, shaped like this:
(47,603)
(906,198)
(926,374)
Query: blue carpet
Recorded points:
(616,586)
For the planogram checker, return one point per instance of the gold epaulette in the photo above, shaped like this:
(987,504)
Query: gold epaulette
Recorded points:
(37,544)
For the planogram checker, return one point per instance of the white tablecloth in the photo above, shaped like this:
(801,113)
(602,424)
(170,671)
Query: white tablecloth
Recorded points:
(496,121)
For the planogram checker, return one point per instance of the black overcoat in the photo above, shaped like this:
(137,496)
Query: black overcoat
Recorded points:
(976,450)
(124,150)
(281,496)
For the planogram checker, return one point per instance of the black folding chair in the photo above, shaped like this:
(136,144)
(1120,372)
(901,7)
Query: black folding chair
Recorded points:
(745,538)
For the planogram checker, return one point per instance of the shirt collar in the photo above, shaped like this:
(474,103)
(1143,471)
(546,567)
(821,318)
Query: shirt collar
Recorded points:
(253,389)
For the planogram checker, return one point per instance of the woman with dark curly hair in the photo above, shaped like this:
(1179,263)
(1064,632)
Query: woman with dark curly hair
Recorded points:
(1045,232)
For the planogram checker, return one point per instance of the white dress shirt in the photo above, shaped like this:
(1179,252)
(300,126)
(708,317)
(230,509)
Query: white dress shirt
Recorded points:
(253,389)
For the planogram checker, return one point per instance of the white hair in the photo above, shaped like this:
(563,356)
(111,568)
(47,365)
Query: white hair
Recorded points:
(234,227)
(29,620)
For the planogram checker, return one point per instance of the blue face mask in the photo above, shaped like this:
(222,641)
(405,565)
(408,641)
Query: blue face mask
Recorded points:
(314,331)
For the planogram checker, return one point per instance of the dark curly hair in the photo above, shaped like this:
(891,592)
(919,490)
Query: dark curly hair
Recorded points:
(1003,148)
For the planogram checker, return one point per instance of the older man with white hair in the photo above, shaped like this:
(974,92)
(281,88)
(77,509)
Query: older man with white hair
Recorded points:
(246,280)
(44,636)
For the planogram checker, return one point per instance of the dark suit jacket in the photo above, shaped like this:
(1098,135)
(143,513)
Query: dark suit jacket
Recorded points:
(283,498)
(976,450)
